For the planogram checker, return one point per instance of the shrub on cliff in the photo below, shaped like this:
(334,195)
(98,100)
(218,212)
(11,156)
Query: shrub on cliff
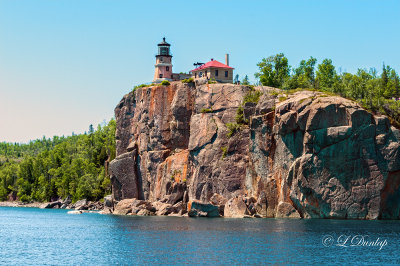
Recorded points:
(232,128)
(212,81)
(140,86)
(189,80)
(240,116)
(206,110)
(252,96)
(165,83)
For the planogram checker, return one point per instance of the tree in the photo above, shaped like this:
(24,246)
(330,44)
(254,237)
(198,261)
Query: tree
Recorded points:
(273,71)
(91,130)
(47,169)
(303,76)
(326,75)
(245,80)
(384,75)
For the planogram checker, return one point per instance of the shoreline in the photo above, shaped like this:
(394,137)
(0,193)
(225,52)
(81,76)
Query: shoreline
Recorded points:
(81,205)
(21,204)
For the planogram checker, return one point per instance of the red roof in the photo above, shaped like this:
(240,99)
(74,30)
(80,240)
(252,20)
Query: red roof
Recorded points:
(212,63)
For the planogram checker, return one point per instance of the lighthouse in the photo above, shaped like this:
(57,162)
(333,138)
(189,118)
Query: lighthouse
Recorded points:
(163,66)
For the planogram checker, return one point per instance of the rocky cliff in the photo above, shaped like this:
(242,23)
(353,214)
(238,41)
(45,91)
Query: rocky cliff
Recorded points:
(310,155)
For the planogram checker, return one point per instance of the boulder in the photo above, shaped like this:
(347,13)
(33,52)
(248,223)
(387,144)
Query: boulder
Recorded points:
(108,201)
(200,209)
(124,206)
(66,202)
(219,200)
(162,208)
(75,212)
(81,204)
(236,208)
(51,205)
(144,212)
(286,210)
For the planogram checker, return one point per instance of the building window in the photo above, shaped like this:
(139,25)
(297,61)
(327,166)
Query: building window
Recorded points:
(216,73)
(161,59)
(160,76)
(226,74)
(195,75)
(167,68)
(200,74)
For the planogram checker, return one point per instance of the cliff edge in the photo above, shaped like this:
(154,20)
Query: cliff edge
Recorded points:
(222,149)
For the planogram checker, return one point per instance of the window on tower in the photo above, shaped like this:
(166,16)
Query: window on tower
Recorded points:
(167,68)
(160,76)
(163,50)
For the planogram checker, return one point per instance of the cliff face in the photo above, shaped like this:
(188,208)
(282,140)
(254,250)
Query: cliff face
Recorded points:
(311,155)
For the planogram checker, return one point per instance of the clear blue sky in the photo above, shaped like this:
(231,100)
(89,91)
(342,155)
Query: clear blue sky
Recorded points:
(66,64)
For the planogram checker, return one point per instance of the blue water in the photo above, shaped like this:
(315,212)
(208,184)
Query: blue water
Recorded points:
(36,236)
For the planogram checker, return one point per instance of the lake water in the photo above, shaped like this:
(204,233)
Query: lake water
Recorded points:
(36,236)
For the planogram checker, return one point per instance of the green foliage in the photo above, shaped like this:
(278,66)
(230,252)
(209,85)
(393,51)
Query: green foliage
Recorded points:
(274,93)
(206,110)
(240,116)
(140,86)
(212,81)
(224,152)
(303,76)
(165,83)
(175,173)
(189,80)
(3,193)
(232,128)
(46,169)
(252,96)
(282,98)
(25,198)
(274,71)
(377,93)
(245,80)
(326,75)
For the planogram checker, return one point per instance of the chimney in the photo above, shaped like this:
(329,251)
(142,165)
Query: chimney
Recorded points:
(227,59)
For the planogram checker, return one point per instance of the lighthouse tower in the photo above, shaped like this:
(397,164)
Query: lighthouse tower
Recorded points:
(163,66)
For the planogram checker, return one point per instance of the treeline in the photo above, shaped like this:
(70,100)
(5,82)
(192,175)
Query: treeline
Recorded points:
(48,169)
(378,92)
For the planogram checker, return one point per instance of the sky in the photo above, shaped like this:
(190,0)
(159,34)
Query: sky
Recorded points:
(66,64)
